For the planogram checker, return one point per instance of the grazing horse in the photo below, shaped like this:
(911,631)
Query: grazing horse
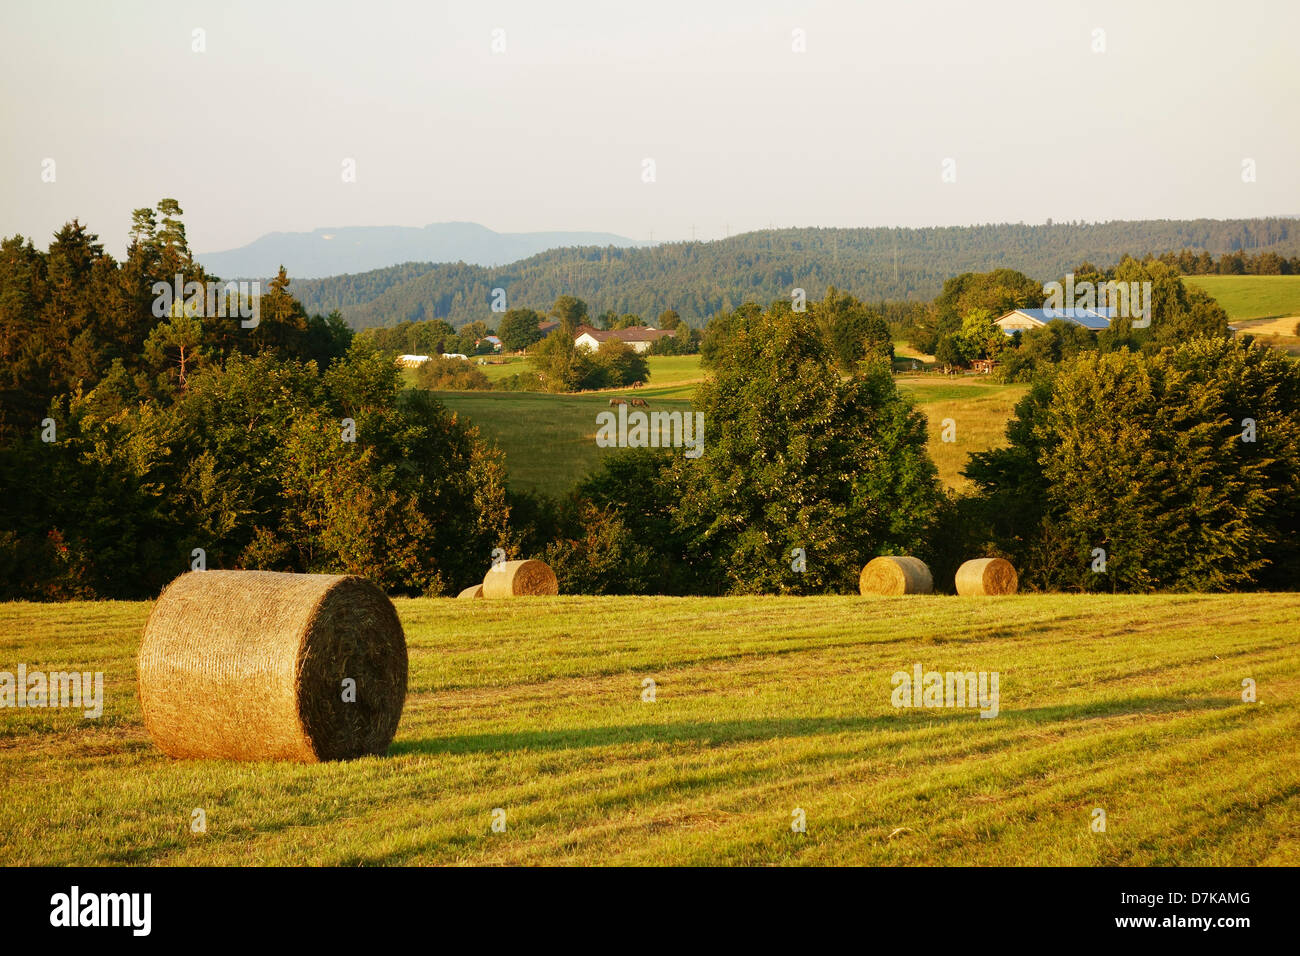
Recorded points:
(616,401)
(637,384)
(639,402)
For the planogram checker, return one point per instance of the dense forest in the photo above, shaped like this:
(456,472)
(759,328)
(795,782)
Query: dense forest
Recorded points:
(701,279)
(141,436)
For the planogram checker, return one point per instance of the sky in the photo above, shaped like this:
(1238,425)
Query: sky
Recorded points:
(543,115)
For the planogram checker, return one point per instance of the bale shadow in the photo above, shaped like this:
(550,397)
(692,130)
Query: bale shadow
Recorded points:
(716,733)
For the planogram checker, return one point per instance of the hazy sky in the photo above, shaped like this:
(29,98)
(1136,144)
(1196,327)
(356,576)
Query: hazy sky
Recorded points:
(251,134)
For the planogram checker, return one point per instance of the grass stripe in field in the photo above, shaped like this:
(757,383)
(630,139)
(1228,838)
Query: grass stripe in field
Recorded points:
(1132,704)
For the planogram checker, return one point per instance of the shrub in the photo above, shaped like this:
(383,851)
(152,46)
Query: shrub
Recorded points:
(615,365)
(452,375)
(599,555)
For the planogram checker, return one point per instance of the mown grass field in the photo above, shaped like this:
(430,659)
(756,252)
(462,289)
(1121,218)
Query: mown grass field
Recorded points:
(1252,297)
(763,705)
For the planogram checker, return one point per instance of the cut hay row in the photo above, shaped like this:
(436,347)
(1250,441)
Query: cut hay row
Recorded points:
(259,665)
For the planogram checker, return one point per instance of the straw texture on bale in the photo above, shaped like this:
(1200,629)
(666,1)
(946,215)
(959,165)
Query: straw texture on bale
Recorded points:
(470,593)
(987,576)
(519,579)
(250,665)
(895,574)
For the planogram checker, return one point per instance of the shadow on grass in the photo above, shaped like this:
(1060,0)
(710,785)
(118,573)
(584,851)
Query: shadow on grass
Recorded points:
(904,720)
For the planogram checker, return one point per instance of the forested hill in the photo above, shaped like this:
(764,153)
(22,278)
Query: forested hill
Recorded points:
(331,251)
(700,278)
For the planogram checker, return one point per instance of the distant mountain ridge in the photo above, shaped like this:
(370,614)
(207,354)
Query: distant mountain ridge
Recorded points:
(348,249)
(699,279)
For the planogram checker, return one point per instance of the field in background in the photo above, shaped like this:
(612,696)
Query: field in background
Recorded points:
(512,365)
(764,705)
(665,370)
(1252,297)
(1284,328)
(907,357)
(979,409)
(549,440)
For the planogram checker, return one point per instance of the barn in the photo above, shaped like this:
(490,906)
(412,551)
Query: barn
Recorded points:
(1022,320)
(639,337)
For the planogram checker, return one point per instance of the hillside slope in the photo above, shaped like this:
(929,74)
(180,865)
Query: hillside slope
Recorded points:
(698,279)
(350,249)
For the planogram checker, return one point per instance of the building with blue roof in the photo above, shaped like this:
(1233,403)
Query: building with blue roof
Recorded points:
(1022,320)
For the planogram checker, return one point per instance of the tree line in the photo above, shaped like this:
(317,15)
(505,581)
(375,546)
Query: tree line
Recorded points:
(959,326)
(701,279)
(137,445)
(557,363)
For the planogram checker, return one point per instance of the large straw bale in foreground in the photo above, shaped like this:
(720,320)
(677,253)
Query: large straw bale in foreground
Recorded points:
(250,665)
(987,576)
(895,574)
(519,579)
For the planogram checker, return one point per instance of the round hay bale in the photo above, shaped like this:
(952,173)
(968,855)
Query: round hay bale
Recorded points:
(472,592)
(987,576)
(251,665)
(895,574)
(519,579)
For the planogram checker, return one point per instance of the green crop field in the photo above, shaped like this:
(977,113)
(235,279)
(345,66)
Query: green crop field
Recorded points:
(511,365)
(549,440)
(1252,297)
(763,706)
(665,370)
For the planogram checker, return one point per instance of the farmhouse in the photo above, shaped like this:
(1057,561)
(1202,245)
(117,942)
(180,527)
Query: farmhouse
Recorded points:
(1022,320)
(640,337)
